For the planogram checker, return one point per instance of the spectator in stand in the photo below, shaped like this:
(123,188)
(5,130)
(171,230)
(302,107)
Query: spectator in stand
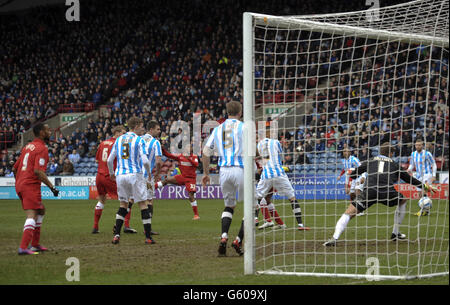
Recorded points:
(52,167)
(68,169)
(74,157)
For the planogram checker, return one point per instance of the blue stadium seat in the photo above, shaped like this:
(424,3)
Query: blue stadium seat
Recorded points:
(332,167)
(311,169)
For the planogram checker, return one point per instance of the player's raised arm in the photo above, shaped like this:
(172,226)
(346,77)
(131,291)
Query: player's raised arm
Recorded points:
(169,155)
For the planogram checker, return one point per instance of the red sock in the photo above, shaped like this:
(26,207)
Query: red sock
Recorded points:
(37,231)
(127,218)
(36,236)
(277,218)
(97,215)
(195,209)
(27,234)
(265,212)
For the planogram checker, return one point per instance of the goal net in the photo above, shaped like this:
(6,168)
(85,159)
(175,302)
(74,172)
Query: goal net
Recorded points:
(348,81)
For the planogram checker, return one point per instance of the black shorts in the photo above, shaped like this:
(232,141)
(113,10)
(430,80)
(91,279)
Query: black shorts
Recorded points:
(389,198)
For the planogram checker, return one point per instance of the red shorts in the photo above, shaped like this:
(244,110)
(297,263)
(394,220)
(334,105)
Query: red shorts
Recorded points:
(105,185)
(30,197)
(189,183)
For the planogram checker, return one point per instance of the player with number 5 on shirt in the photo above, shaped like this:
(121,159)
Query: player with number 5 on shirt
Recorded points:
(227,140)
(29,172)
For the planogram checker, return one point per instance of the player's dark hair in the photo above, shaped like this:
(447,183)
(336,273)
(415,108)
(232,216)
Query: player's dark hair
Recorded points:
(152,124)
(385,149)
(37,129)
(419,140)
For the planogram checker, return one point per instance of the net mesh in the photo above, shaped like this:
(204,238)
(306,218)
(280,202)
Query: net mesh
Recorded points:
(354,80)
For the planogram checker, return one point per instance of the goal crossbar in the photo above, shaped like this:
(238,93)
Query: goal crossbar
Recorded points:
(332,28)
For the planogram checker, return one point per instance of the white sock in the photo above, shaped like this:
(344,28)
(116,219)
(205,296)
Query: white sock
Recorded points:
(30,223)
(39,220)
(398,217)
(341,225)
(194,203)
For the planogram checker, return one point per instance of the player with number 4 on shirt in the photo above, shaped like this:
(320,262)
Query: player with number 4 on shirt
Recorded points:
(29,172)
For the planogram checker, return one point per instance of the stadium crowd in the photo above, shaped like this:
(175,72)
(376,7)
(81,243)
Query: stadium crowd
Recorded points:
(146,59)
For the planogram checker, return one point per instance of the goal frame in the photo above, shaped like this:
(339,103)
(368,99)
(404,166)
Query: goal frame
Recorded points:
(297,22)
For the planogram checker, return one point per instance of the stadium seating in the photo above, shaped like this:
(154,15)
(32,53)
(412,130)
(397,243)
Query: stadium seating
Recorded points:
(146,78)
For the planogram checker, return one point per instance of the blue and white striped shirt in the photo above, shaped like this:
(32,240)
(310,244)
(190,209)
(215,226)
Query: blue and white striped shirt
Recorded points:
(270,150)
(129,150)
(351,162)
(423,162)
(228,140)
(152,148)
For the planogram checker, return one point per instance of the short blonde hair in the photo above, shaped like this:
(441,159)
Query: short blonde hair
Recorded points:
(133,122)
(234,108)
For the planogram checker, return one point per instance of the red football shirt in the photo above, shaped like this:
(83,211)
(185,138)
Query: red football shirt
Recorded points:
(103,151)
(33,156)
(187,164)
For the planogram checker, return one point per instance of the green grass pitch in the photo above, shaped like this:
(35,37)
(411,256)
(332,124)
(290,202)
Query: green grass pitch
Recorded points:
(186,250)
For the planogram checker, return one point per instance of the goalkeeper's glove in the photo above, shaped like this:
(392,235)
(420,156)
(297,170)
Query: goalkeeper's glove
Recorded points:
(430,188)
(55,191)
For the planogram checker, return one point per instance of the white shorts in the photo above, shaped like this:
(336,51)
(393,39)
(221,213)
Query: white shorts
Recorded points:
(357,185)
(131,186)
(281,184)
(232,184)
(426,178)
(353,185)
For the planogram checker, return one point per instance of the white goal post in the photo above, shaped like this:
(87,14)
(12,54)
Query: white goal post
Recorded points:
(294,68)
